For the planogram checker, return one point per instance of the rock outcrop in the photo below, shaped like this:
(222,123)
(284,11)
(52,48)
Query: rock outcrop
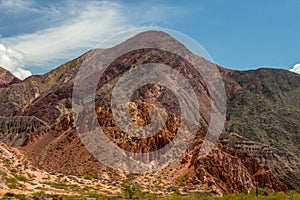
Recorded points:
(14,129)
(283,164)
(224,170)
(7,78)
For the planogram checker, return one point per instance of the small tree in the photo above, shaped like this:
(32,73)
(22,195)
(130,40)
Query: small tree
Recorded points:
(130,190)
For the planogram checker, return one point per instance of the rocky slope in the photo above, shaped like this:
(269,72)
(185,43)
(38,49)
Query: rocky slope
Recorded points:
(267,108)
(7,78)
(19,176)
(263,108)
(284,164)
(230,167)
(14,129)
(223,170)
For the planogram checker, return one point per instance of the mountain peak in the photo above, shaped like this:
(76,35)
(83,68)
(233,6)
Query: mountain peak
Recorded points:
(6,77)
(153,34)
(153,39)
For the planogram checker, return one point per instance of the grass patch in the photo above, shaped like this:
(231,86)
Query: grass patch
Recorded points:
(11,182)
(39,193)
(10,195)
(251,196)
(14,170)
(22,178)
(3,173)
(291,195)
(60,185)
(84,196)
(88,177)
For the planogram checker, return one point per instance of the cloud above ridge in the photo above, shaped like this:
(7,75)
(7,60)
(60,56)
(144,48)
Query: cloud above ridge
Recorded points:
(12,60)
(296,68)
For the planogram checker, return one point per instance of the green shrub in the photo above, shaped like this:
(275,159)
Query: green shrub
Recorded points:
(22,178)
(86,188)
(3,173)
(84,196)
(12,186)
(261,192)
(58,185)
(14,170)
(88,177)
(22,197)
(95,176)
(131,190)
(10,180)
(41,192)
(9,194)
(180,184)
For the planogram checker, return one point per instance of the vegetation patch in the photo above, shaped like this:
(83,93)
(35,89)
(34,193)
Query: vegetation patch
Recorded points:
(60,185)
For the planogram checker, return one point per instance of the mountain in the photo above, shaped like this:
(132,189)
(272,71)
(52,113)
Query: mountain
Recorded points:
(259,145)
(7,78)
(266,111)
(267,108)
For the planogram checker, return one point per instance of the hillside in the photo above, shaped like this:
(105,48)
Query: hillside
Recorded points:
(267,108)
(263,111)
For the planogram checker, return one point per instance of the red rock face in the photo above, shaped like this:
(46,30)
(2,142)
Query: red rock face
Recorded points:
(7,78)
(223,170)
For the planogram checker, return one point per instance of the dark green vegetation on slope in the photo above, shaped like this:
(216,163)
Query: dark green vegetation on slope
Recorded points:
(265,111)
(267,108)
(262,195)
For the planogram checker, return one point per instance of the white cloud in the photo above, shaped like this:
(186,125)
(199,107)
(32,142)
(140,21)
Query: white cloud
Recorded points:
(17,5)
(296,69)
(12,60)
(78,27)
(93,22)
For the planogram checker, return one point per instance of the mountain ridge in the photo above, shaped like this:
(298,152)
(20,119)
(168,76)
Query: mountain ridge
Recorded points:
(7,78)
(48,97)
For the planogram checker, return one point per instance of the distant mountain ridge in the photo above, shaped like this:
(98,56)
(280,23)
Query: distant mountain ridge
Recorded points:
(263,108)
(267,108)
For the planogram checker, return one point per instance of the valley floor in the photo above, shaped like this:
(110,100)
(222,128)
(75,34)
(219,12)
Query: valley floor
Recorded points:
(291,195)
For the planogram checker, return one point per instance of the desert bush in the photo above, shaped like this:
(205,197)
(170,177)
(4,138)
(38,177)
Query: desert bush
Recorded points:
(12,186)
(10,180)
(88,177)
(3,173)
(58,185)
(10,195)
(11,183)
(131,190)
(91,176)
(14,170)
(95,176)
(84,196)
(41,192)
(22,178)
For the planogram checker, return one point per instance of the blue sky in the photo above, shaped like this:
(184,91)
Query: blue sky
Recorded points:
(37,36)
